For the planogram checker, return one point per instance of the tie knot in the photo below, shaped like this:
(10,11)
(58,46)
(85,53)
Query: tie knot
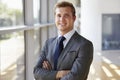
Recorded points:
(62,38)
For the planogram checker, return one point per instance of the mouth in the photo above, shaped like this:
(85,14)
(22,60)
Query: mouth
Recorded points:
(62,24)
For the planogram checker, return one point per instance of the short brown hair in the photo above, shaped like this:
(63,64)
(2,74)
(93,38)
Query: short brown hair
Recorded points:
(65,4)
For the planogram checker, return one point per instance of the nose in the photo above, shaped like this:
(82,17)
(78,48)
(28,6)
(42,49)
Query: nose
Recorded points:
(62,19)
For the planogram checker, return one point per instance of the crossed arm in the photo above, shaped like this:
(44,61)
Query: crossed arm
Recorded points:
(44,71)
(60,74)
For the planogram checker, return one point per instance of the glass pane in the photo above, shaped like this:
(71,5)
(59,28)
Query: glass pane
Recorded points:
(12,66)
(36,9)
(111,32)
(37,44)
(11,12)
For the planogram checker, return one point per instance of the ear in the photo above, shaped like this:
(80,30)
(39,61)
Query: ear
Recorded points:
(74,18)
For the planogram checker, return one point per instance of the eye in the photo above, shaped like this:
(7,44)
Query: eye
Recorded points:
(66,15)
(58,15)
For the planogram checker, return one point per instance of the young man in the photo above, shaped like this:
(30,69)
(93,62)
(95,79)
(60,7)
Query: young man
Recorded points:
(66,59)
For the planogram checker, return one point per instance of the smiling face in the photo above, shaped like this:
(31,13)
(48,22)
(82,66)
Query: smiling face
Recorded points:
(64,19)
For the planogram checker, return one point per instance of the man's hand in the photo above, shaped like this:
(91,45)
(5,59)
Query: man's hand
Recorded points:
(46,65)
(62,73)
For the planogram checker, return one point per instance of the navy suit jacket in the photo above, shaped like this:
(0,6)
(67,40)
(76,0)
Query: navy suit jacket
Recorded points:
(76,57)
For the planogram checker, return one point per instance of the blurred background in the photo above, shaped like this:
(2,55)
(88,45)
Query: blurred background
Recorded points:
(26,24)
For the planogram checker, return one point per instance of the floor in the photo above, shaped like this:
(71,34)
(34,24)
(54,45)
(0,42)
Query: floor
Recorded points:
(105,66)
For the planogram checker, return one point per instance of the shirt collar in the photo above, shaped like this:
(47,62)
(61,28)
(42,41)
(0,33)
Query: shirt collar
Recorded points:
(68,35)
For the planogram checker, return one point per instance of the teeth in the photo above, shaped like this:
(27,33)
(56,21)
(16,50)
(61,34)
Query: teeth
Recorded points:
(62,24)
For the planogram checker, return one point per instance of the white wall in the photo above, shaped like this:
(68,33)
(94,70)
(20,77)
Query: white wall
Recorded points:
(91,21)
(109,6)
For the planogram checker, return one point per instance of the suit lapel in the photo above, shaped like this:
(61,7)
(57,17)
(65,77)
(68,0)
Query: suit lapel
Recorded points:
(67,48)
(51,54)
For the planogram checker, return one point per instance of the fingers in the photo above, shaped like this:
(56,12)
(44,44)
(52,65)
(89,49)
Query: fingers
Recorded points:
(62,73)
(46,65)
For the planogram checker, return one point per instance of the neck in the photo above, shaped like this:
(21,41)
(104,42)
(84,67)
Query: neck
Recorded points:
(64,32)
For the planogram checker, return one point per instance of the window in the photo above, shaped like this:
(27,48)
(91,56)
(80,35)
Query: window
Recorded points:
(12,65)
(36,9)
(110,31)
(11,12)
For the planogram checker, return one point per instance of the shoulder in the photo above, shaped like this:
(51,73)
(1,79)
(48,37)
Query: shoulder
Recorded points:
(81,40)
(83,43)
(51,40)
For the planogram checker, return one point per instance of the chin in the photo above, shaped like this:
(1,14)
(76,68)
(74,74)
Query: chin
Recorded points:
(61,29)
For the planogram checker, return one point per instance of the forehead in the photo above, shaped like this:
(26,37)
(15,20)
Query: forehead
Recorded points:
(63,10)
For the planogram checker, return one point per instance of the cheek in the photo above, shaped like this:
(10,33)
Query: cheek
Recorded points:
(71,21)
(56,20)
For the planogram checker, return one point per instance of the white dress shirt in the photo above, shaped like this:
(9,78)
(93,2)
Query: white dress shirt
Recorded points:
(67,36)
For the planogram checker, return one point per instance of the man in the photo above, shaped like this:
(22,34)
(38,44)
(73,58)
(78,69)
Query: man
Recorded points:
(74,61)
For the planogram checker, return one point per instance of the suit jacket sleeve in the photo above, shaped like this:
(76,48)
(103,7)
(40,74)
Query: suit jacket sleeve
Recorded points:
(39,72)
(81,65)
